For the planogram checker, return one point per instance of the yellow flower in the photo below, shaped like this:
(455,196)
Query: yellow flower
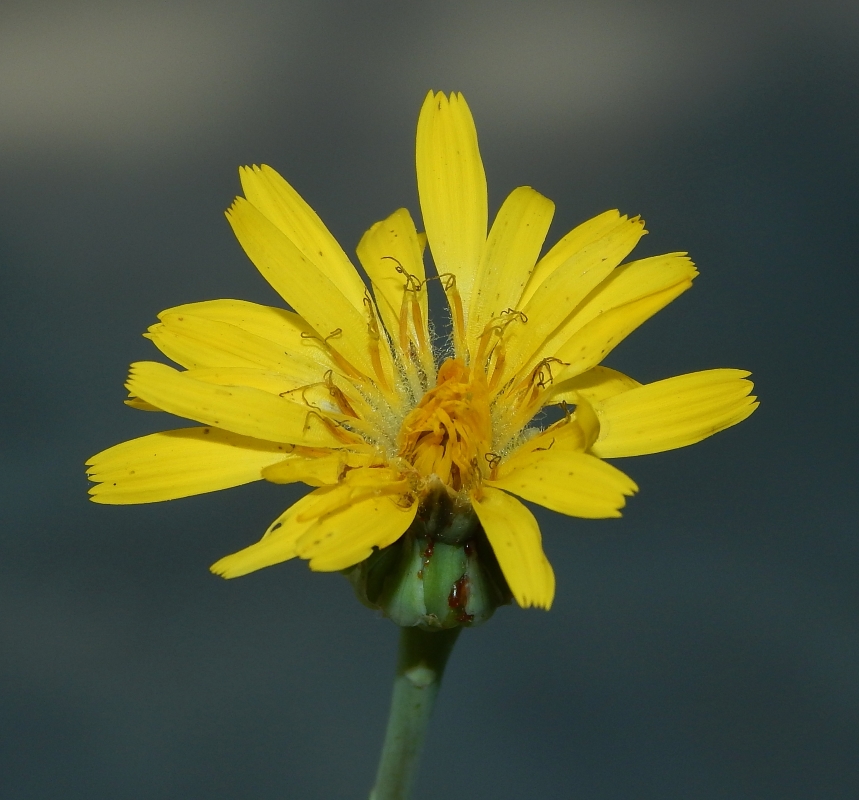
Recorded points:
(353,392)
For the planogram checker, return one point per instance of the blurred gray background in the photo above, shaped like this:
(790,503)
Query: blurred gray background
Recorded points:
(704,646)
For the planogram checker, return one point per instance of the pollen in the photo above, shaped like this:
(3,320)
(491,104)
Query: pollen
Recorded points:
(449,432)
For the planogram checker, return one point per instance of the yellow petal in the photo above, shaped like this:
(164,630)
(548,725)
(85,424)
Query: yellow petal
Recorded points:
(243,344)
(633,281)
(572,483)
(179,463)
(566,434)
(593,342)
(559,295)
(311,292)
(389,249)
(140,405)
(197,342)
(322,469)
(577,239)
(637,280)
(277,544)
(266,190)
(672,413)
(359,484)
(598,383)
(515,538)
(452,188)
(271,382)
(285,328)
(327,395)
(511,251)
(347,535)
(240,409)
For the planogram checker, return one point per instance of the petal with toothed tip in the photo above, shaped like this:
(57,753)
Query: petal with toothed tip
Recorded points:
(179,463)
(349,534)
(312,293)
(391,254)
(570,482)
(557,298)
(508,258)
(452,188)
(580,237)
(278,202)
(672,413)
(277,544)
(515,538)
(240,409)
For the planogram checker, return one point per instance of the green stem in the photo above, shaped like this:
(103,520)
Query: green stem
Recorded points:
(423,655)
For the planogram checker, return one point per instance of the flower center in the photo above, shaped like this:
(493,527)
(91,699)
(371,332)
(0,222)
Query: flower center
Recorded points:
(449,432)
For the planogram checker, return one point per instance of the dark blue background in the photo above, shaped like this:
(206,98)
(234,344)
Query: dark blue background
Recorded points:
(705,646)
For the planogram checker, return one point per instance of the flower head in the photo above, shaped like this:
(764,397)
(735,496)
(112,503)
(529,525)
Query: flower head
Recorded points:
(354,394)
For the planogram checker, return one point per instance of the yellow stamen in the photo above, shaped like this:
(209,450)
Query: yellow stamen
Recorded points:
(526,397)
(375,336)
(497,325)
(404,325)
(457,315)
(498,368)
(450,430)
(337,395)
(493,460)
(424,347)
(343,365)
(345,436)
(418,322)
